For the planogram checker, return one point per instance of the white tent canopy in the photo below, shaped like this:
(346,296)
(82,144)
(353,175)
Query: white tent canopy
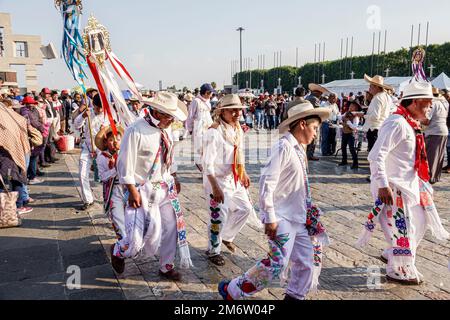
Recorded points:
(360,85)
(442,82)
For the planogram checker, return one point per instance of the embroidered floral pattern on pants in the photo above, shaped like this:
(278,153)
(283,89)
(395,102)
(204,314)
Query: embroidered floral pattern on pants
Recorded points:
(215,223)
(266,270)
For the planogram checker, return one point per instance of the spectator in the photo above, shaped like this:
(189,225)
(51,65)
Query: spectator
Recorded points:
(350,129)
(14,147)
(30,112)
(436,135)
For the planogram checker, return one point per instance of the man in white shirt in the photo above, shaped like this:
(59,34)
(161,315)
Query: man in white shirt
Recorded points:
(379,108)
(328,134)
(154,219)
(199,120)
(224,178)
(285,204)
(404,204)
(88,152)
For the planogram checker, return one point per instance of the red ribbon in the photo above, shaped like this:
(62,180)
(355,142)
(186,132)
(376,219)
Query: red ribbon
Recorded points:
(421,161)
(105,100)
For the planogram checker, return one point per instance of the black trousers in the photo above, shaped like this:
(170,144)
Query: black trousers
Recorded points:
(372,136)
(348,139)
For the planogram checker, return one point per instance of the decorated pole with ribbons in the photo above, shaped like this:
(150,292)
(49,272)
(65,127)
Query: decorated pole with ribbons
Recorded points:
(98,51)
(72,46)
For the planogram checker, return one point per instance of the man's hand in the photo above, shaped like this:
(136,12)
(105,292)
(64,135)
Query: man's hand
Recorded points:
(177,183)
(386,196)
(134,199)
(86,113)
(246,181)
(218,195)
(271,230)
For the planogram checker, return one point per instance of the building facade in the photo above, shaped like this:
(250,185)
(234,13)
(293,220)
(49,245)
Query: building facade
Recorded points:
(18,49)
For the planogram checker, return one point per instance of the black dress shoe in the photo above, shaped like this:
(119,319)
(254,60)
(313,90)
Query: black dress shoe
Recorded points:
(171,275)
(342,164)
(40,173)
(289,298)
(117,263)
(85,206)
(45,165)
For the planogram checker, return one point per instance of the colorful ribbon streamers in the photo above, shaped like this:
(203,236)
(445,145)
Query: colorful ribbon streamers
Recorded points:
(72,43)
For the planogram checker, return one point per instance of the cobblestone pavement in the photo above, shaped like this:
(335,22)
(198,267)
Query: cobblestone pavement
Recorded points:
(55,236)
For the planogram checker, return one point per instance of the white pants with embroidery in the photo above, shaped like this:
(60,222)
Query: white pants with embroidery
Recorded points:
(226,219)
(293,245)
(416,226)
(151,229)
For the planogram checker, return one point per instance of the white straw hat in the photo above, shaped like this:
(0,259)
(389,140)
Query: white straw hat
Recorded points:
(230,101)
(169,103)
(302,110)
(418,90)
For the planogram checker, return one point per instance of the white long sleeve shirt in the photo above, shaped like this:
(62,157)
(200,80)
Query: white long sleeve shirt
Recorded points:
(199,116)
(218,152)
(139,147)
(104,172)
(334,111)
(379,110)
(393,156)
(97,121)
(282,187)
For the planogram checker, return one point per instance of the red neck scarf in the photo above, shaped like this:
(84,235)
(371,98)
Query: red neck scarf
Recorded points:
(421,162)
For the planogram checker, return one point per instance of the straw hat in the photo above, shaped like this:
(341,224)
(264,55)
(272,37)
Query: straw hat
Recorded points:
(169,103)
(230,101)
(102,134)
(302,110)
(189,97)
(378,81)
(418,90)
(436,91)
(316,87)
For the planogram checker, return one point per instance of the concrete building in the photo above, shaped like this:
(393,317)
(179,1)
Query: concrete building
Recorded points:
(18,49)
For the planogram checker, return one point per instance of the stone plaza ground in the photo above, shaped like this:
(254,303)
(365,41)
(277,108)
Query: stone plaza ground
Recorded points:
(37,260)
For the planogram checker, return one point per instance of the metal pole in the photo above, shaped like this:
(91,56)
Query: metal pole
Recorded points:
(240,29)
(340,64)
(379,48)
(351,57)
(373,52)
(384,51)
(418,36)
(410,49)
(296,58)
(346,56)
(315,59)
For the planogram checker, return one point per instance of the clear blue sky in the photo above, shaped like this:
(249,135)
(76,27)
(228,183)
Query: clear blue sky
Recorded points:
(187,43)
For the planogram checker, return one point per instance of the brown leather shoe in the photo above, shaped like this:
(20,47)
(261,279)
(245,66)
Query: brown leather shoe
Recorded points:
(409,282)
(218,260)
(230,246)
(117,263)
(171,275)
(313,159)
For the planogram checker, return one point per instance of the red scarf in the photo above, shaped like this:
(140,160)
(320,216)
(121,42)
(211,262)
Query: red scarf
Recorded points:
(112,159)
(421,162)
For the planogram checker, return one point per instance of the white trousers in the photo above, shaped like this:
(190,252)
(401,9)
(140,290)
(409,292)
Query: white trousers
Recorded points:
(151,230)
(228,218)
(84,170)
(293,245)
(117,212)
(416,228)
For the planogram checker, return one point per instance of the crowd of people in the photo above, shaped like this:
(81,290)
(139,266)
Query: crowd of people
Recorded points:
(137,168)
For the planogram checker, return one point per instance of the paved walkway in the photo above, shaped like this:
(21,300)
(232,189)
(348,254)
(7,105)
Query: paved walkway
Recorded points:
(34,258)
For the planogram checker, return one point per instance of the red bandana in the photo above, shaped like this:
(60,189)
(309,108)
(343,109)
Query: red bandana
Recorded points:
(421,163)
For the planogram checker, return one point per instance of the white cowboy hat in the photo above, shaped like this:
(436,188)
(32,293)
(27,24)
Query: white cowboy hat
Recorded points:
(302,110)
(418,90)
(316,87)
(169,103)
(230,101)
(378,81)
